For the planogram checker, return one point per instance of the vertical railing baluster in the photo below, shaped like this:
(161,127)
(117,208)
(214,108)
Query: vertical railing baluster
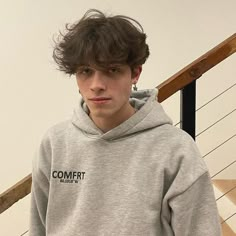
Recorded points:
(188,109)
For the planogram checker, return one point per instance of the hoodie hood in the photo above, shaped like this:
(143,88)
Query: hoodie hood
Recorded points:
(150,114)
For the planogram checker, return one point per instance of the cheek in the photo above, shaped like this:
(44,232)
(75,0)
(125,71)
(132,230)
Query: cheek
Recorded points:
(125,92)
(81,85)
(122,89)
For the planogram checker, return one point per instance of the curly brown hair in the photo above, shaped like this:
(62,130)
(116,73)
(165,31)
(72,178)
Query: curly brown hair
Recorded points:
(101,40)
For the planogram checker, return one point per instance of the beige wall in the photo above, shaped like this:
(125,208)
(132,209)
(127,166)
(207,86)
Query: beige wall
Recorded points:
(34,95)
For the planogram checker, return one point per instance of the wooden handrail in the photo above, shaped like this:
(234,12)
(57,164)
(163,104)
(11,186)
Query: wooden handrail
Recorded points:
(197,68)
(175,83)
(15,193)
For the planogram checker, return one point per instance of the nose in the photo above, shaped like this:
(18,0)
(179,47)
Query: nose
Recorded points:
(98,82)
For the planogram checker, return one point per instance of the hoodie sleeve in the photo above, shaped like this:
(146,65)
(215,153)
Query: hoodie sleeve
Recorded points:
(40,190)
(190,198)
(194,212)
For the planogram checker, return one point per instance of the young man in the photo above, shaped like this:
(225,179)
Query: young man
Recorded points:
(118,166)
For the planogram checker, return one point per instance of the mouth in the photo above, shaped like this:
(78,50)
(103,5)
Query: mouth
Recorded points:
(100,100)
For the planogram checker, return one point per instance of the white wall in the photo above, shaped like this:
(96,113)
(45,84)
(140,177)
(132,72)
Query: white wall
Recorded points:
(34,95)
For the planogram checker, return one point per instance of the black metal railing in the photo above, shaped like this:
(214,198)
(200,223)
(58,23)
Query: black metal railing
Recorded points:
(188,108)
(188,123)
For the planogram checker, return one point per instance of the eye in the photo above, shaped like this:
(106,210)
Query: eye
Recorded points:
(84,71)
(114,70)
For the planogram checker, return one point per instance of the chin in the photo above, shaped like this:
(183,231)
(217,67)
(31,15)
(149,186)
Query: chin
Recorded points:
(101,114)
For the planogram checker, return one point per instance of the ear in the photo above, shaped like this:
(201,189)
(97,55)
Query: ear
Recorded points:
(136,74)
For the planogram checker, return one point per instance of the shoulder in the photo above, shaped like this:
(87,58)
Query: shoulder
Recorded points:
(172,138)
(181,140)
(175,138)
(184,146)
(57,130)
(54,137)
(183,157)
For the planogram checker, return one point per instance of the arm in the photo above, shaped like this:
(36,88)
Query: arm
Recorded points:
(194,211)
(39,191)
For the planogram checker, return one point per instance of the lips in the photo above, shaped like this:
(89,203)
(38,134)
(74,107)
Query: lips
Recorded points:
(100,100)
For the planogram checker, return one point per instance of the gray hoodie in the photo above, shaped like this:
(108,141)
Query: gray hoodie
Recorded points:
(145,177)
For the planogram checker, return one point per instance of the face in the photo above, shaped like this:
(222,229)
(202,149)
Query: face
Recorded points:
(106,92)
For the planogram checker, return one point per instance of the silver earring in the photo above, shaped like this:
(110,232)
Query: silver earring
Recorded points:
(135,87)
